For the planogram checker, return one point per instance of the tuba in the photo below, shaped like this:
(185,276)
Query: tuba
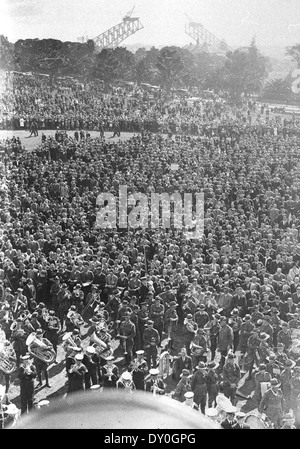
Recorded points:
(39,350)
(101,348)
(67,338)
(7,365)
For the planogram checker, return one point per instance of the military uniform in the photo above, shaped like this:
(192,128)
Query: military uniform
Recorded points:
(27,388)
(181,388)
(199,388)
(245,332)
(151,341)
(157,316)
(272,404)
(138,369)
(127,328)
(285,338)
(150,383)
(231,375)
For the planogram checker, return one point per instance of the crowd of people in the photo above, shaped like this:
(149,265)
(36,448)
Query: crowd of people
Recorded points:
(210,309)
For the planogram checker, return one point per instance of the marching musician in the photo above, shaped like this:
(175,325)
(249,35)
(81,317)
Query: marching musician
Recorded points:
(125,381)
(92,297)
(53,330)
(77,298)
(189,331)
(183,386)
(75,337)
(9,353)
(40,365)
(77,373)
(73,319)
(41,311)
(91,362)
(155,384)
(127,333)
(70,359)
(101,312)
(138,367)
(151,341)
(35,323)
(189,401)
(19,339)
(26,374)
(110,373)
(19,301)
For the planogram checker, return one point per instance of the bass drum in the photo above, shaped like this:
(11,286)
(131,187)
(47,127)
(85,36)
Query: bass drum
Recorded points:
(255,422)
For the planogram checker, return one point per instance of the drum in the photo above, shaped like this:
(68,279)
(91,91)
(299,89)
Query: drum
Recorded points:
(255,422)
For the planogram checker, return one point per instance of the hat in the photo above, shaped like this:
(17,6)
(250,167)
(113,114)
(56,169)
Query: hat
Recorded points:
(288,417)
(41,304)
(189,316)
(110,357)
(153,371)
(202,307)
(289,363)
(262,366)
(78,356)
(91,349)
(185,372)
(274,382)
(247,317)
(239,414)
(173,303)
(201,365)
(150,322)
(271,357)
(234,311)
(95,387)
(274,310)
(284,324)
(101,304)
(231,409)
(223,318)
(263,336)
(25,357)
(211,364)
(189,395)
(280,345)
(140,352)
(127,314)
(211,412)
(127,375)
(39,331)
(34,314)
(217,316)
(76,331)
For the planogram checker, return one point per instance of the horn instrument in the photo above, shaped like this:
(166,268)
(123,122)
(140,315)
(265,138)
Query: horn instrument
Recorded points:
(39,349)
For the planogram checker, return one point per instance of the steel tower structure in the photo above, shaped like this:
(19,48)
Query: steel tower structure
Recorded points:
(118,33)
(201,35)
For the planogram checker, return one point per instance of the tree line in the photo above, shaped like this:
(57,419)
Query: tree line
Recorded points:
(240,73)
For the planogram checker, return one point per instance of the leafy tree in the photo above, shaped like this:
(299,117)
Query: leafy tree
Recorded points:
(245,71)
(277,89)
(294,52)
(6,53)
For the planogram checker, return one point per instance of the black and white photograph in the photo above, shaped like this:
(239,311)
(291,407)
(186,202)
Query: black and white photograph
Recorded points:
(150,217)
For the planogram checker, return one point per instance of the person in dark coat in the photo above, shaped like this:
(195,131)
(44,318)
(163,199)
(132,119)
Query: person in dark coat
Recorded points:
(40,365)
(110,373)
(230,421)
(91,362)
(138,367)
(26,375)
(183,361)
(199,386)
(19,340)
(77,374)
(155,385)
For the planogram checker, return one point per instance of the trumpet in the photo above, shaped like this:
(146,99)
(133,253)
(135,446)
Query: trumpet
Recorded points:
(68,340)
(109,370)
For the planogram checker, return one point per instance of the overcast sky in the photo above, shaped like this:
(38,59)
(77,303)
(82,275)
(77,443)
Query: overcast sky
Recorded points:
(273,22)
